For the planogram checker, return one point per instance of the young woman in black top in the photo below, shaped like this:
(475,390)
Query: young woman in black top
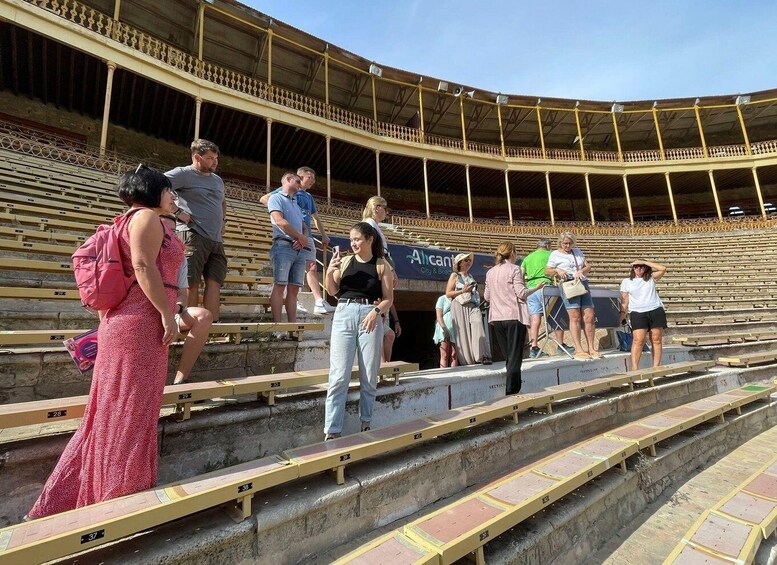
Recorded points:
(360,281)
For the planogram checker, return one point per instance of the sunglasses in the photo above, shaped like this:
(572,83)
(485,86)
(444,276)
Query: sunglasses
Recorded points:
(639,267)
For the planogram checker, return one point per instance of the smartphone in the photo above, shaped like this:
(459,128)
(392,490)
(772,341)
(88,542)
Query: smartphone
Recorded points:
(336,251)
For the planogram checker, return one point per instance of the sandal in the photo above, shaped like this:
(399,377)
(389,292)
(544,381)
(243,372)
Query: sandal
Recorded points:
(596,355)
(582,355)
(365,426)
(183,382)
(327,437)
(486,361)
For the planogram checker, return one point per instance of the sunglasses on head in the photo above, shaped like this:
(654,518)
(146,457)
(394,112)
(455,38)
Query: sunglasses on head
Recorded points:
(639,267)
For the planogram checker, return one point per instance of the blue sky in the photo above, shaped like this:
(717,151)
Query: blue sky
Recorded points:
(585,50)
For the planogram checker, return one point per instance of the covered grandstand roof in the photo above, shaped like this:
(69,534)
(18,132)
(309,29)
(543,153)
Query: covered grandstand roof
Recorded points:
(237,37)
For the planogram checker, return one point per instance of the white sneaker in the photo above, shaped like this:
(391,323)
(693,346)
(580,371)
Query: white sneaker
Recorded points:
(323,307)
(301,309)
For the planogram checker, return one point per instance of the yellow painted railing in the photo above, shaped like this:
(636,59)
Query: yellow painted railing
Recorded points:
(486,226)
(102,24)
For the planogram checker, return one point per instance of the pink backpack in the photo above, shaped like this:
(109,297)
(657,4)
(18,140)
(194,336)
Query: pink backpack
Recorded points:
(99,270)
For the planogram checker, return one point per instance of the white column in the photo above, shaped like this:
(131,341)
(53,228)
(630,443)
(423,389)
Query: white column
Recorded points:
(550,200)
(377,168)
(268,159)
(107,107)
(426,189)
(328,169)
(628,199)
(590,202)
(469,193)
(509,201)
(197,112)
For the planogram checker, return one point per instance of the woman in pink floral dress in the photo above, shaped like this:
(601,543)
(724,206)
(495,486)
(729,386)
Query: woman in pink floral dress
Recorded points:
(114,451)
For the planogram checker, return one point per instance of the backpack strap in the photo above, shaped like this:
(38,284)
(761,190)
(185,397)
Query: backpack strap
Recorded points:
(344,263)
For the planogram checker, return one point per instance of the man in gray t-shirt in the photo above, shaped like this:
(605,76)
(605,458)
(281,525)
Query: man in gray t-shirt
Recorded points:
(289,240)
(202,219)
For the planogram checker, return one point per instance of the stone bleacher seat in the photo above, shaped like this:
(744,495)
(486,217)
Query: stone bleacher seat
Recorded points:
(88,527)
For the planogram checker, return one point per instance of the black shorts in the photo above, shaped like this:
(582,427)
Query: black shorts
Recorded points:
(648,320)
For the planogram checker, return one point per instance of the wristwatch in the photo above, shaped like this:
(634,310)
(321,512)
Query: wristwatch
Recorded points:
(177,212)
(377,311)
(180,308)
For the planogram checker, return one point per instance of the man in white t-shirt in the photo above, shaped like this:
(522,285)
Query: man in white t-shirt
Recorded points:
(639,298)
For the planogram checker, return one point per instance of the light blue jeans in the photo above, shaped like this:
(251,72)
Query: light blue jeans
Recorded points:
(349,339)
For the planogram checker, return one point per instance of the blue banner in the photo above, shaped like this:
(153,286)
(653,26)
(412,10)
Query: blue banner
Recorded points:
(607,306)
(425,263)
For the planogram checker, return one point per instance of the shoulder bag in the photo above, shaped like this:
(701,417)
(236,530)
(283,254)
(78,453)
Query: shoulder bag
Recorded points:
(464,297)
(574,288)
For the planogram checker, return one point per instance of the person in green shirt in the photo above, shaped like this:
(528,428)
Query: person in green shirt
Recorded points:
(533,266)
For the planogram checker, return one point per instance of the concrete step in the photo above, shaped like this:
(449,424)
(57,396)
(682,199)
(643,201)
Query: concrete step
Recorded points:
(653,534)
(380,491)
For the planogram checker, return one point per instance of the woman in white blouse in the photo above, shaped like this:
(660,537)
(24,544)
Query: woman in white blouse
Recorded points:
(639,298)
(569,263)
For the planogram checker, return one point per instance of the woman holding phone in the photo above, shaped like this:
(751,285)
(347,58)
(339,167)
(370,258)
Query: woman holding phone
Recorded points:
(472,346)
(364,287)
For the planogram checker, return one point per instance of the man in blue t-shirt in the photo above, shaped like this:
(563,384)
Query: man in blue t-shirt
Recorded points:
(310,214)
(289,239)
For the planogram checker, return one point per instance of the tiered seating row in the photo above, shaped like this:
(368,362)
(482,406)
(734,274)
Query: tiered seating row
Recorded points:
(183,396)
(725,338)
(466,525)
(686,320)
(732,530)
(749,359)
(234,332)
(85,528)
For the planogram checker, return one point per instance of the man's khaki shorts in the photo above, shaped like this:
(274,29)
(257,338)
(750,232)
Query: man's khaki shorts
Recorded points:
(206,258)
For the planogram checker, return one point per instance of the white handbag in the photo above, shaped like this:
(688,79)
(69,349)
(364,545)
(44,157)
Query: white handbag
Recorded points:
(574,288)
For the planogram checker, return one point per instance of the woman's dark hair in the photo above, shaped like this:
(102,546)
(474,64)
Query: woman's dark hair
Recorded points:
(142,187)
(368,231)
(647,274)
